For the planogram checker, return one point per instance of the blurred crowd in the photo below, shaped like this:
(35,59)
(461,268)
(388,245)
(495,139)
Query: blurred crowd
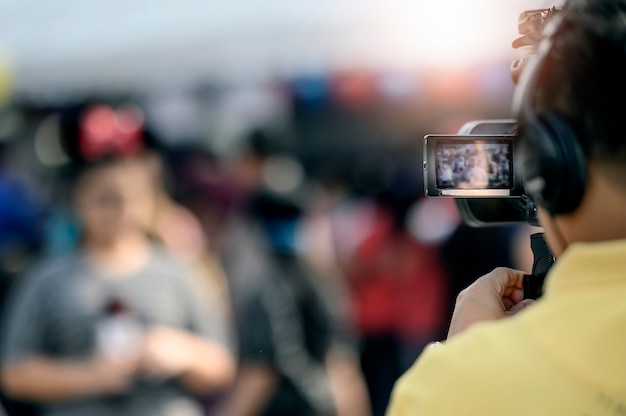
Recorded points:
(300,272)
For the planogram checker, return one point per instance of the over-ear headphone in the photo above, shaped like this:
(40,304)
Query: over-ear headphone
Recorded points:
(552,161)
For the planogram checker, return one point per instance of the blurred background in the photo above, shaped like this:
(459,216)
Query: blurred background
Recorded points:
(311,112)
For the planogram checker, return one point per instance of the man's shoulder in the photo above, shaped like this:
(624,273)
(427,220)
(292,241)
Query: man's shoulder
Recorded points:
(490,347)
(467,372)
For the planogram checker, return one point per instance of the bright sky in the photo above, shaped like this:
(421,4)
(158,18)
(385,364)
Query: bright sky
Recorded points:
(65,43)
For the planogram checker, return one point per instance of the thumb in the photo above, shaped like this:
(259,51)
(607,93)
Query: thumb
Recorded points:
(520,306)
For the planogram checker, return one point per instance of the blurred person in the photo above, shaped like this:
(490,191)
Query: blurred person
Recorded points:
(399,293)
(297,356)
(116,327)
(191,211)
(194,200)
(179,229)
(240,240)
(252,260)
(445,175)
(564,353)
(21,239)
(181,225)
(170,223)
(21,228)
(21,208)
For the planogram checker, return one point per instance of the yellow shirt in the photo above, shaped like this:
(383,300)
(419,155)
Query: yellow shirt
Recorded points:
(565,355)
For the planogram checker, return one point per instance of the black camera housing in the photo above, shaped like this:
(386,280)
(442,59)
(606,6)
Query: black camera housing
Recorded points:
(483,207)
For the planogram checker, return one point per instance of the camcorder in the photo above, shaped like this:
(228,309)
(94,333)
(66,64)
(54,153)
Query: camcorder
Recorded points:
(480,168)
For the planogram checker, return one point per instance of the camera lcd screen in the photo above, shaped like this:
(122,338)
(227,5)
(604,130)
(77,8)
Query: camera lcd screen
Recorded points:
(472,166)
(478,165)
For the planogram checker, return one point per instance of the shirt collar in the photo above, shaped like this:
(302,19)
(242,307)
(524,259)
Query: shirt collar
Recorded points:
(585,266)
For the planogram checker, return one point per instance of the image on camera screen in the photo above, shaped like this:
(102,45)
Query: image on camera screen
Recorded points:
(475,165)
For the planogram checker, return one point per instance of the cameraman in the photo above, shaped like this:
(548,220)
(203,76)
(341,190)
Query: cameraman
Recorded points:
(565,354)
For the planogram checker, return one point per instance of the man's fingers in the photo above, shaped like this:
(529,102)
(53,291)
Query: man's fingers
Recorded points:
(504,280)
(516,295)
(491,297)
(520,306)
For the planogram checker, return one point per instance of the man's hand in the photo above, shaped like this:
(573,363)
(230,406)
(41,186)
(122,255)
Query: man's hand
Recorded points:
(493,296)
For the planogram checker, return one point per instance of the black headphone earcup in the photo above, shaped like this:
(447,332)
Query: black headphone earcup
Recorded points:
(554,167)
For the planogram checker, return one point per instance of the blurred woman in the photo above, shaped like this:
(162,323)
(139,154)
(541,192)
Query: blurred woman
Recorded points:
(297,356)
(115,327)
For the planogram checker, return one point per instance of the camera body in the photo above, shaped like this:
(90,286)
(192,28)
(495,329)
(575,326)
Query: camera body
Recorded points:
(494,196)
(480,168)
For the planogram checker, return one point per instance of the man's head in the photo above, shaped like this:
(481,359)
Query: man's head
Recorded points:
(584,78)
(575,96)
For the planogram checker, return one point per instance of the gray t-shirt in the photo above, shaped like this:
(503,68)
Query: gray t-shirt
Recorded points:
(54,313)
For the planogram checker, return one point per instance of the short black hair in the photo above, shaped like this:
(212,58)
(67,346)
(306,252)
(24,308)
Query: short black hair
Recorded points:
(584,78)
